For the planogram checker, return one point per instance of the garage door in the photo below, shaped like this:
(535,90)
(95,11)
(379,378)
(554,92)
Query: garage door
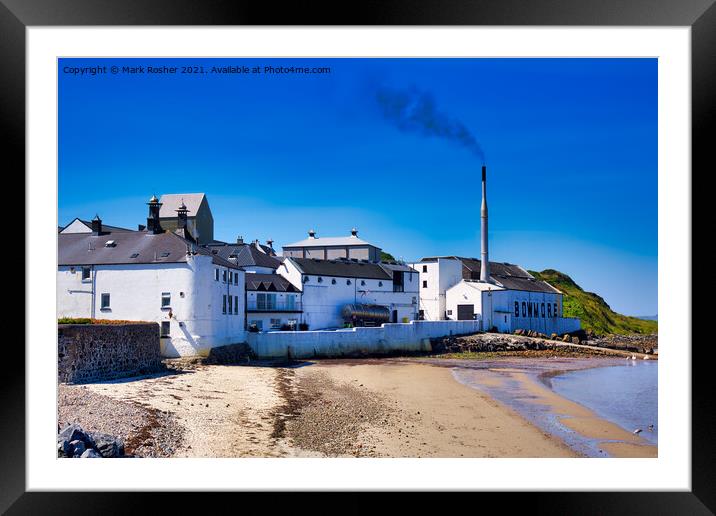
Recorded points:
(465,312)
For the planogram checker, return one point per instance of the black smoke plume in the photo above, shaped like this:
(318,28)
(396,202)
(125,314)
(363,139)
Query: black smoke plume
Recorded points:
(415,111)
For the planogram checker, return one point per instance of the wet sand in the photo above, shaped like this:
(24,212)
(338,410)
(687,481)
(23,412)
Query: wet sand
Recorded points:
(359,408)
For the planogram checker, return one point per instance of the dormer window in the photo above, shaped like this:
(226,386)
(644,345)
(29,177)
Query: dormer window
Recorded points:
(165,254)
(134,255)
(110,243)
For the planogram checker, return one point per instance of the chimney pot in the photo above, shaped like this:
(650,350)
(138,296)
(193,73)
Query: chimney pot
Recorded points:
(239,239)
(312,233)
(354,232)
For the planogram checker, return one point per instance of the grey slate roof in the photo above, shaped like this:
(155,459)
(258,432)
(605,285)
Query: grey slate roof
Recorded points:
(268,282)
(244,255)
(88,223)
(395,266)
(508,275)
(342,268)
(88,249)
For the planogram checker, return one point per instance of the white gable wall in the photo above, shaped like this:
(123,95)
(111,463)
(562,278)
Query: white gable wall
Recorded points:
(439,275)
(76,226)
(197,323)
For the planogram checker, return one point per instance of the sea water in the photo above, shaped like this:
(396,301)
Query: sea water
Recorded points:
(622,391)
(624,394)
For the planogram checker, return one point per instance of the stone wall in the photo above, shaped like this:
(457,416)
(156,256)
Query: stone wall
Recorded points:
(96,352)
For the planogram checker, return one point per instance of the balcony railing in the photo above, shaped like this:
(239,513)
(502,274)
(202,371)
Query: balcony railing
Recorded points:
(279,306)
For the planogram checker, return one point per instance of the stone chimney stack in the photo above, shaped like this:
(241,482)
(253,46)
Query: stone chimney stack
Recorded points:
(153,225)
(96,225)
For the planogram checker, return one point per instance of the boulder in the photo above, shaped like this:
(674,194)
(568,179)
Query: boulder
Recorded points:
(108,445)
(90,454)
(71,433)
(63,448)
(78,447)
(575,340)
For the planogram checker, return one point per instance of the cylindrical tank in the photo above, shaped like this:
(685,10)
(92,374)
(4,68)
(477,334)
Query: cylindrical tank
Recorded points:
(359,313)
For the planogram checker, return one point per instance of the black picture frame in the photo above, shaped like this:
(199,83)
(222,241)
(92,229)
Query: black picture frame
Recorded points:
(17,15)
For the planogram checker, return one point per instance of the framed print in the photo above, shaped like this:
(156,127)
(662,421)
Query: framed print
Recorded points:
(260,241)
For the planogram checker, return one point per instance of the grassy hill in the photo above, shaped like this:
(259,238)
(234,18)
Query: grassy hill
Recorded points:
(595,313)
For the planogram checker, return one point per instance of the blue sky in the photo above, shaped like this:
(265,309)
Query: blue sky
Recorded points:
(570,145)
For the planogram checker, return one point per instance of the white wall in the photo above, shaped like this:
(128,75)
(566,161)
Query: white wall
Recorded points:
(413,336)
(197,323)
(322,301)
(440,276)
(76,227)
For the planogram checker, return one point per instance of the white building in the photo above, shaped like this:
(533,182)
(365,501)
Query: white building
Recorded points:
(512,299)
(505,297)
(333,248)
(196,298)
(328,285)
(272,303)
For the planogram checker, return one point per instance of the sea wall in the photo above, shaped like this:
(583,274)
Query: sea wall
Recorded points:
(96,352)
(388,338)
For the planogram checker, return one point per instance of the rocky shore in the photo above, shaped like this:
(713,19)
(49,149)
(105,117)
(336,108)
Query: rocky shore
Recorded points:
(144,431)
(523,342)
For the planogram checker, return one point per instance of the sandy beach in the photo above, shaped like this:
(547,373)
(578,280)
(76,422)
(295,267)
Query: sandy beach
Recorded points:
(333,408)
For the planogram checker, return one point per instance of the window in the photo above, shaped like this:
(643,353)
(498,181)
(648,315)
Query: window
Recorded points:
(348,282)
(231,304)
(290,302)
(305,279)
(275,324)
(223,310)
(223,275)
(104,304)
(333,281)
(165,254)
(134,255)
(165,329)
(425,268)
(86,273)
(320,280)
(380,283)
(231,277)
(259,324)
(425,283)
(449,312)
(236,278)
(265,301)
(362,283)
(236,305)
(421,315)
(166,299)
(517,308)
(216,274)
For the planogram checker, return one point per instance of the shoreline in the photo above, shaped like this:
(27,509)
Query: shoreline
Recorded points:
(395,407)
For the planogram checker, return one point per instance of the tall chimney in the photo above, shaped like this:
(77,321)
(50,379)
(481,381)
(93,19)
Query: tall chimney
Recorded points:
(485,260)
(240,240)
(182,215)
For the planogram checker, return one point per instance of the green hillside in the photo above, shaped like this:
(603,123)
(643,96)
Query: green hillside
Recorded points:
(595,313)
